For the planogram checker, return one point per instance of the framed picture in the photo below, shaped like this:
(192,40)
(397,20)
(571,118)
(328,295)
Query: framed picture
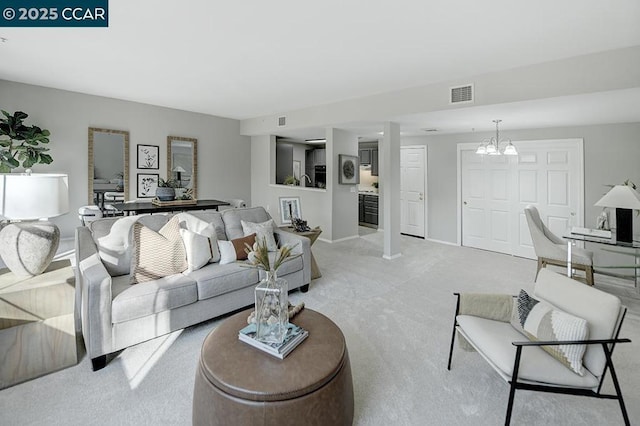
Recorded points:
(147,184)
(349,173)
(289,207)
(148,157)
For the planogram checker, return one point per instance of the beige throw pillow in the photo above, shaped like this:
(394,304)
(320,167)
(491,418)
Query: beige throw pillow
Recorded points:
(263,231)
(157,254)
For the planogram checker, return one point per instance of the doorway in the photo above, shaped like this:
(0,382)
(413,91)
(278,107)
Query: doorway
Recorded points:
(413,185)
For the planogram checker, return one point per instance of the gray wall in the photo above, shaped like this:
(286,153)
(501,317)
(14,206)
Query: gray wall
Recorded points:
(344,210)
(611,155)
(223,165)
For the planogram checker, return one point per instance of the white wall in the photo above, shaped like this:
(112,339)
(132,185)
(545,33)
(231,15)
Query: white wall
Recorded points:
(610,70)
(223,166)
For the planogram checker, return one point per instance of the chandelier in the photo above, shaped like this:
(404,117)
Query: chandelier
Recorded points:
(492,146)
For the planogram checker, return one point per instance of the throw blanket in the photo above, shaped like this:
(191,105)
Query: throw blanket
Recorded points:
(497,307)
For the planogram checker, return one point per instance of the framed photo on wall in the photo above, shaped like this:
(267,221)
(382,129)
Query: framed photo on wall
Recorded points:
(148,157)
(147,184)
(349,171)
(289,207)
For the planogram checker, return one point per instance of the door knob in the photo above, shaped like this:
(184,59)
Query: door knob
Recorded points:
(421,196)
(464,202)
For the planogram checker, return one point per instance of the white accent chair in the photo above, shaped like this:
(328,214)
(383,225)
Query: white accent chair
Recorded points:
(234,203)
(88,214)
(552,250)
(523,363)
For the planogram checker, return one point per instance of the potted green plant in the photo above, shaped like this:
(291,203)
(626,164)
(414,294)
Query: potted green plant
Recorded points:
(166,189)
(291,180)
(20,144)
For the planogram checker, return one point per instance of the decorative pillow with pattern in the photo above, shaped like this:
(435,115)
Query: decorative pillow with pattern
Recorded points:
(263,231)
(157,254)
(540,321)
(233,250)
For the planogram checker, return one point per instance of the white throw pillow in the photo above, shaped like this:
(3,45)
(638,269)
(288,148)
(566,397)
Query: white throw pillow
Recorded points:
(206,229)
(263,231)
(227,252)
(233,250)
(198,248)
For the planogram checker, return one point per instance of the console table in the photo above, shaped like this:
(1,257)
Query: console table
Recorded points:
(37,328)
(635,246)
(140,207)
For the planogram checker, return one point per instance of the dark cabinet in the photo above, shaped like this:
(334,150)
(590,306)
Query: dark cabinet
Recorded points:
(309,166)
(368,210)
(320,156)
(365,156)
(374,162)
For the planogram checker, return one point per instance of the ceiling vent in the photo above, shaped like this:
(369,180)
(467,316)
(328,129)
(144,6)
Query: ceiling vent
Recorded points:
(282,121)
(461,94)
(430,130)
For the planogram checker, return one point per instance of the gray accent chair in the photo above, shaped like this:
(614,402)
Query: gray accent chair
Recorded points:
(112,314)
(523,363)
(552,250)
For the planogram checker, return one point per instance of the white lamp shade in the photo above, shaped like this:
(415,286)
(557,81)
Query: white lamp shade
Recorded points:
(34,196)
(179,169)
(621,197)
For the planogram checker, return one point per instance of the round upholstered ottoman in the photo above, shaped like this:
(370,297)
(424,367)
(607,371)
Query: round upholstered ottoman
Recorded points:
(237,384)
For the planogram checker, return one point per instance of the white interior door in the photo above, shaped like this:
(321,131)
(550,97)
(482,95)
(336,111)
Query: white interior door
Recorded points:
(486,206)
(412,190)
(495,190)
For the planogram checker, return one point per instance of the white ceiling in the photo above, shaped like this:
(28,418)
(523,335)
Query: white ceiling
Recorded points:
(253,58)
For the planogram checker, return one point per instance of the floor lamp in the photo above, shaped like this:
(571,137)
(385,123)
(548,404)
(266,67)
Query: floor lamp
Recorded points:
(624,199)
(28,243)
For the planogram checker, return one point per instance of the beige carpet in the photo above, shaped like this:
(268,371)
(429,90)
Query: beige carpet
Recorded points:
(396,317)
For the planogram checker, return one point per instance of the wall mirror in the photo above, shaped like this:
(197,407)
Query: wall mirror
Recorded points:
(108,176)
(182,162)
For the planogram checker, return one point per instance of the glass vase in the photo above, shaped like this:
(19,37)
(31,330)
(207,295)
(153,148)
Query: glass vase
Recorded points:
(272,314)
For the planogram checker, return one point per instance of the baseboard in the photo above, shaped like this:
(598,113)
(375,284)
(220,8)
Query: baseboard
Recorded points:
(339,240)
(395,256)
(449,243)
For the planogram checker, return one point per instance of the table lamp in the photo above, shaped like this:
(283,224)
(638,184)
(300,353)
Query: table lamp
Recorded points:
(179,170)
(27,243)
(624,199)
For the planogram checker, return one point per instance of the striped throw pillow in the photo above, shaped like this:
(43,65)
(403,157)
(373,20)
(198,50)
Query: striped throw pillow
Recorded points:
(540,321)
(157,254)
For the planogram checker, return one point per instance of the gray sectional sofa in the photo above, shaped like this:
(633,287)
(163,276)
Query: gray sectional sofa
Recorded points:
(113,314)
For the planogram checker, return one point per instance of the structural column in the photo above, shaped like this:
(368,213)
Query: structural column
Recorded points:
(390,172)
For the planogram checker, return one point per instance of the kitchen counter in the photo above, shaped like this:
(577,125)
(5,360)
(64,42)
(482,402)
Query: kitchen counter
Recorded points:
(368,193)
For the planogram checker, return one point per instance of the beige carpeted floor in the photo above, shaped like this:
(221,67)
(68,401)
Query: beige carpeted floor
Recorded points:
(396,317)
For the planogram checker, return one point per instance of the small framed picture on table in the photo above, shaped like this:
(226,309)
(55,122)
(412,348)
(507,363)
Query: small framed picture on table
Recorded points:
(289,207)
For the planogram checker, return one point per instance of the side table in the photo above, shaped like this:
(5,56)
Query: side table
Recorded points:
(37,329)
(313,236)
